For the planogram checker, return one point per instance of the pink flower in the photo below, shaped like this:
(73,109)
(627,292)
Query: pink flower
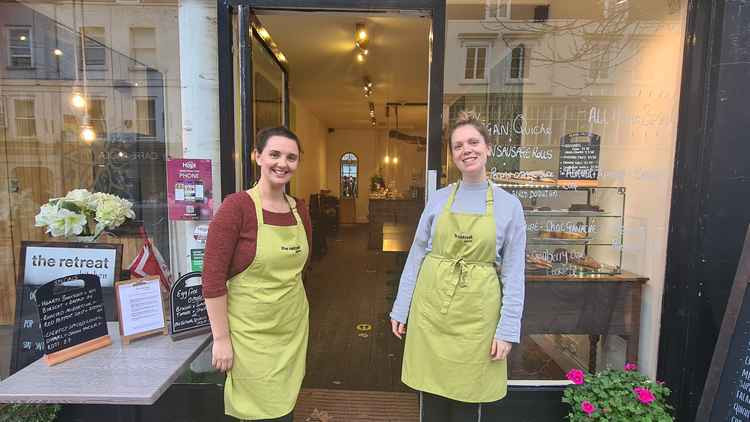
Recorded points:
(587,407)
(644,395)
(575,376)
(630,367)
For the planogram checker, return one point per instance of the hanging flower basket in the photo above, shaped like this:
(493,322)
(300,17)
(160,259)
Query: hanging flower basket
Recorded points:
(83,216)
(616,395)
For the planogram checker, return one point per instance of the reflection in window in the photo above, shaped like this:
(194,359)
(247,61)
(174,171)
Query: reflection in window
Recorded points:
(98,117)
(19,44)
(94,52)
(349,175)
(145,117)
(476,58)
(497,9)
(599,69)
(25,118)
(143,46)
(519,68)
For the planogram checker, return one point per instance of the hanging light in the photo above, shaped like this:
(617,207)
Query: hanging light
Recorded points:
(387,159)
(22,38)
(77,100)
(395,160)
(87,133)
(360,57)
(361,32)
(57,52)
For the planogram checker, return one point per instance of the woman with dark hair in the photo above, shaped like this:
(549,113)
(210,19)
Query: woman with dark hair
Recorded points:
(462,318)
(257,247)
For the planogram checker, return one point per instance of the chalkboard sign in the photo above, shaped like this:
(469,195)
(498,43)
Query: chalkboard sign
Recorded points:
(579,157)
(28,345)
(726,395)
(71,316)
(187,307)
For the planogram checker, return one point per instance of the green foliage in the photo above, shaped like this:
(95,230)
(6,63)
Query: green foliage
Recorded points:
(611,393)
(29,412)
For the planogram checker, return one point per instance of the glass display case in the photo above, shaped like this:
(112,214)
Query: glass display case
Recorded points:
(572,231)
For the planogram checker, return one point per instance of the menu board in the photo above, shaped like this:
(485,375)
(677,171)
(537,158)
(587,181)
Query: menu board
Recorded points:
(726,395)
(579,156)
(188,307)
(37,259)
(71,312)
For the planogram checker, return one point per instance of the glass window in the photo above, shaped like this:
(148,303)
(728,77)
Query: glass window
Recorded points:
(349,180)
(25,118)
(19,47)
(143,46)
(93,50)
(145,120)
(98,117)
(580,101)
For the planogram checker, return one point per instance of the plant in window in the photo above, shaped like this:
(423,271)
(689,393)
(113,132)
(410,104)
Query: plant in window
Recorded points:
(79,210)
(29,412)
(616,395)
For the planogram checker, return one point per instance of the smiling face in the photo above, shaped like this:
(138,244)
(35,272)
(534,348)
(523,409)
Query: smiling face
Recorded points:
(470,152)
(278,161)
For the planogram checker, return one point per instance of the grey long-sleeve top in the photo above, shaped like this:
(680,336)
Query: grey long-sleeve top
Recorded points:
(511,251)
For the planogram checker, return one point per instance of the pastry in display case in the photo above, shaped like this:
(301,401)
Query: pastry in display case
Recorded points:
(572,231)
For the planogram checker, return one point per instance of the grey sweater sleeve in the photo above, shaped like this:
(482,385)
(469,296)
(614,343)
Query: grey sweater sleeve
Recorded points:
(512,258)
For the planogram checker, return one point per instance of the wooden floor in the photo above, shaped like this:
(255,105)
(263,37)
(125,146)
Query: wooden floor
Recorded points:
(350,293)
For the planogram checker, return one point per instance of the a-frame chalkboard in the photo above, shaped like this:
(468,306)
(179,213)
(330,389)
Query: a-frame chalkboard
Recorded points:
(726,394)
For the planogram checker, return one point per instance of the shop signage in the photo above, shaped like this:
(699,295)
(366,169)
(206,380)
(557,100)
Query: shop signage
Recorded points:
(139,308)
(189,189)
(196,259)
(42,262)
(726,395)
(187,307)
(71,316)
(579,158)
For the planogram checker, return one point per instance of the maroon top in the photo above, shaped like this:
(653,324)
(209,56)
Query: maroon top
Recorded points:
(232,237)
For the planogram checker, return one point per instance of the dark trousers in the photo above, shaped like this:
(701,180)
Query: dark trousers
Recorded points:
(285,418)
(434,408)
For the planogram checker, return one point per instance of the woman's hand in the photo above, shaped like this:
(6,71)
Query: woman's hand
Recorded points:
(222,354)
(398,329)
(500,349)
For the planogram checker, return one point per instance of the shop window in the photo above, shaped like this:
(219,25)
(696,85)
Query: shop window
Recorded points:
(349,176)
(98,117)
(145,117)
(497,9)
(94,53)
(519,63)
(143,46)
(476,63)
(19,47)
(25,118)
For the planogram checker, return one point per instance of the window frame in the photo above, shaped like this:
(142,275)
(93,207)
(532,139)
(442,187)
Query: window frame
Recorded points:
(99,45)
(136,119)
(476,46)
(100,135)
(16,119)
(341,174)
(30,35)
(139,65)
(494,6)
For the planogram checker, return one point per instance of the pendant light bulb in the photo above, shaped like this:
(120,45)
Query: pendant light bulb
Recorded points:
(360,58)
(87,133)
(387,159)
(395,160)
(77,100)
(57,52)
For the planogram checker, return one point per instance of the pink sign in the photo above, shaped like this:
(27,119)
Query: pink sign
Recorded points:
(189,189)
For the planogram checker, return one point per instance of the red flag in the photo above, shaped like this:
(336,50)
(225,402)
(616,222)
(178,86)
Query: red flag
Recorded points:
(150,262)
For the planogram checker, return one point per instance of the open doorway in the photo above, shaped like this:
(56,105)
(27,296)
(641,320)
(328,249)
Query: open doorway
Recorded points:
(358,94)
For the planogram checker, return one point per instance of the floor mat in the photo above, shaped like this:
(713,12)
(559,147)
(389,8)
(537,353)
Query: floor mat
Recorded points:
(321,405)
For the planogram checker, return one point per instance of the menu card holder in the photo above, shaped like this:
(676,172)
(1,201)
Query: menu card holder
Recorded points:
(139,308)
(71,315)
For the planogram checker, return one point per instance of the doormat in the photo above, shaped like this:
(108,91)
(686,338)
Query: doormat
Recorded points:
(321,405)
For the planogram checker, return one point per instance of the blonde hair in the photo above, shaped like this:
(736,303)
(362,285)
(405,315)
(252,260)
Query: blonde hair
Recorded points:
(470,118)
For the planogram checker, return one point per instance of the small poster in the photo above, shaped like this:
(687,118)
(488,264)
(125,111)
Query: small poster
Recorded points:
(196,259)
(579,157)
(189,189)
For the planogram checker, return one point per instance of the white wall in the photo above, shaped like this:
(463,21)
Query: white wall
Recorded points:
(313,134)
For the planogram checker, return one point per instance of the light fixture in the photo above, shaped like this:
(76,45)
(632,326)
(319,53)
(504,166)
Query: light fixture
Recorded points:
(87,132)
(77,100)
(395,160)
(281,57)
(365,51)
(264,33)
(360,57)
(361,32)
(57,52)
(387,159)
(367,86)
(22,38)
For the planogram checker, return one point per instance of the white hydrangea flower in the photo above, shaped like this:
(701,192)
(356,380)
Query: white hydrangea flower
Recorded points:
(80,197)
(67,223)
(47,214)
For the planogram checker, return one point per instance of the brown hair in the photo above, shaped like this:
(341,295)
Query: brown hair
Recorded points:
(470,118)
(265,134)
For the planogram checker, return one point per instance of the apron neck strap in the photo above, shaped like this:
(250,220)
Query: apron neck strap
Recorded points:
(255,195)
(489,199)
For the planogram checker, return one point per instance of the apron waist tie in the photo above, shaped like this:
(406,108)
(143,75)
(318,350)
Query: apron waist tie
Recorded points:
(461,266)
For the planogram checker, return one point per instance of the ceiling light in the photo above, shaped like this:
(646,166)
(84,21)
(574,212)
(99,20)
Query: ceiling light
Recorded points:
(365,51)
(360,57)
(87,133)
(395,160)
(22,38)
(387,159)
(57,52)
(361,32)
(77,100)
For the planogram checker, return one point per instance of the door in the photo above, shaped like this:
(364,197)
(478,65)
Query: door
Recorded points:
(255,71)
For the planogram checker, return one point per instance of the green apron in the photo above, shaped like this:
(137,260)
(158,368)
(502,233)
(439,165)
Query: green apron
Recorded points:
(455,311)
(268,323)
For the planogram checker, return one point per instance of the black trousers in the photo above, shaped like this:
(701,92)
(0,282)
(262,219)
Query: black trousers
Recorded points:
(433,408)
(285,418)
